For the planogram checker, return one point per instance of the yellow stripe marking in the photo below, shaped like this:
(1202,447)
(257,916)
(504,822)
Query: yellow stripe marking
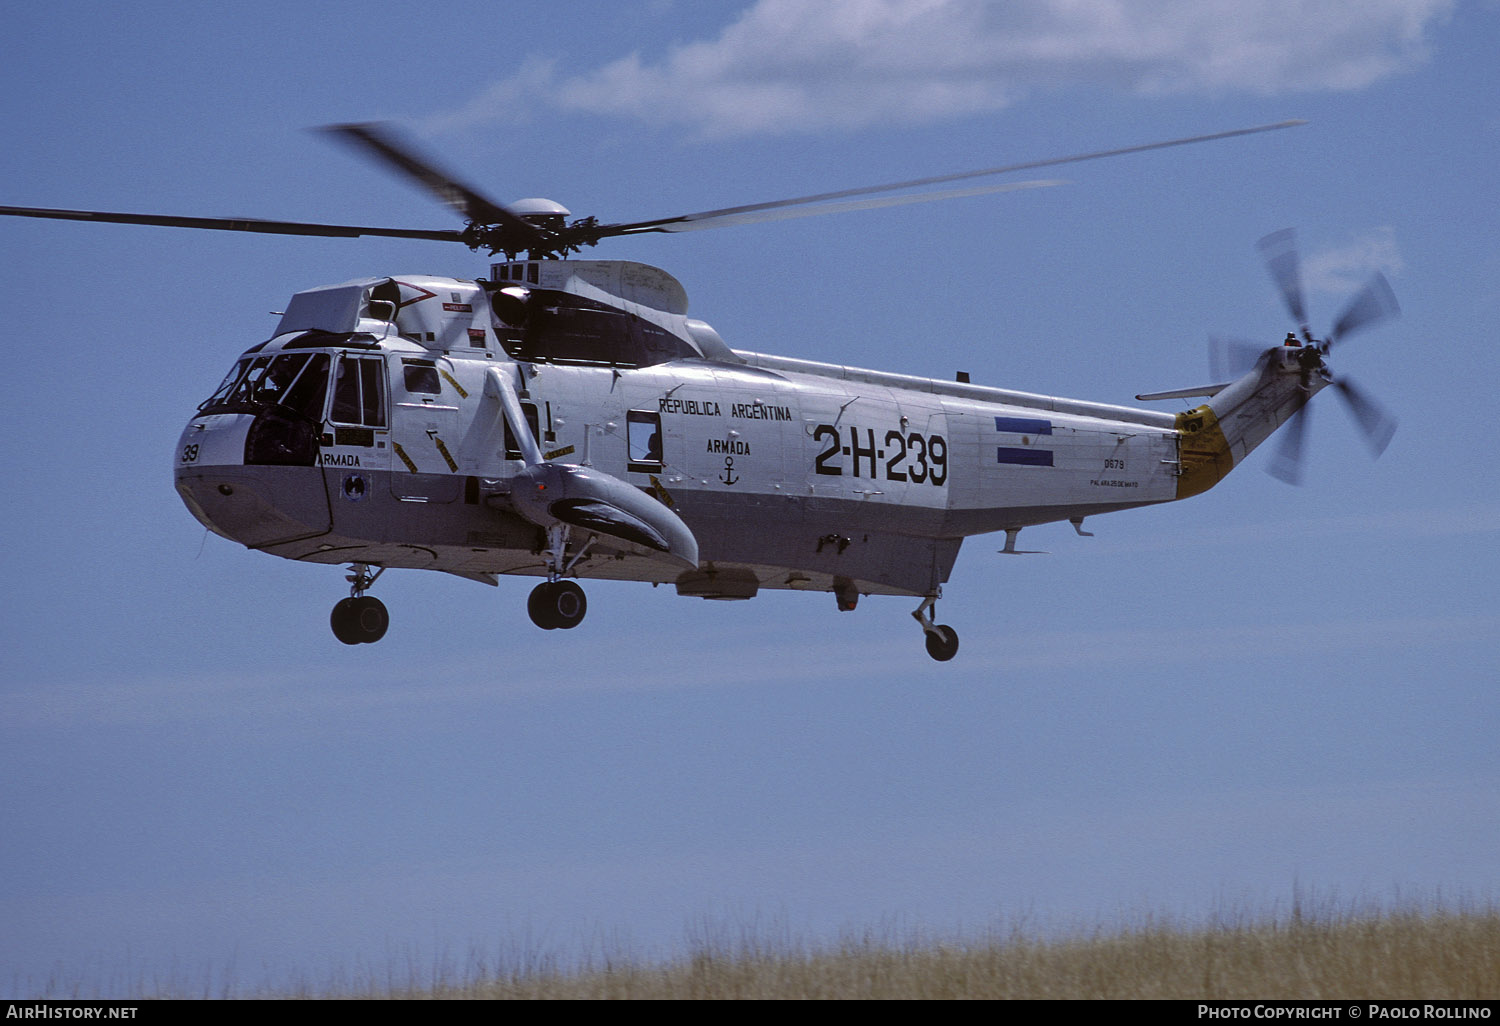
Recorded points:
(660,491)
(454,382)
(404,458)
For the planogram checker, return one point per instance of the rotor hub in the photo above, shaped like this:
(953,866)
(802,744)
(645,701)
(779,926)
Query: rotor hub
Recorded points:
(543,213)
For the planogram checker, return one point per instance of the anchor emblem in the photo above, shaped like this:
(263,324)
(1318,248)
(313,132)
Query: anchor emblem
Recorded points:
(728,477)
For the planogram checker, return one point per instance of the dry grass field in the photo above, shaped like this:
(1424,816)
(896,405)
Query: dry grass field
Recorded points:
(1429,953)
(1419,955)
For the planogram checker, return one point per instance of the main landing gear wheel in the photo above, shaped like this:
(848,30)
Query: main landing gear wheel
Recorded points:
(942,642)
(557,605)
(360,620)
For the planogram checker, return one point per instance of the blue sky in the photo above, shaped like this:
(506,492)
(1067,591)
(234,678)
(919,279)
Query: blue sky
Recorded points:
(1203,707)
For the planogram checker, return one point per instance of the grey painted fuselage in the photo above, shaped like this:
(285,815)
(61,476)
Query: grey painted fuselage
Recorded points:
(789,473)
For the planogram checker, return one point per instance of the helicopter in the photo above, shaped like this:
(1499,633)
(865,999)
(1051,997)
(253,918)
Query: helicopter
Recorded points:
(567,419)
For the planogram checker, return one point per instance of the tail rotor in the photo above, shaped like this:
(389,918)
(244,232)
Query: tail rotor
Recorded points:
(1374,303)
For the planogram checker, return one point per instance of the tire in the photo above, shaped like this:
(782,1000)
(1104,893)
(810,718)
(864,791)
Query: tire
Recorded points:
(558,605)
(942,642)
(342,622)
(567,604)
(370,619)
(537,607)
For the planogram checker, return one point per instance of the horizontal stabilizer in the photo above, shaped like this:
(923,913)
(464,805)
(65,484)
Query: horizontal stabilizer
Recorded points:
(1186,393)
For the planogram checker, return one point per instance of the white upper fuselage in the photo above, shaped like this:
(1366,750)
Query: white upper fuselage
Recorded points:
(789,473)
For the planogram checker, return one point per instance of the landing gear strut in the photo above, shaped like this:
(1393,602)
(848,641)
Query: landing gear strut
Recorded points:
(360,619)
(558,604)
(942,640)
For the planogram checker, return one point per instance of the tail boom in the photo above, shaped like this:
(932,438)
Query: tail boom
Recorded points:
(1214,438)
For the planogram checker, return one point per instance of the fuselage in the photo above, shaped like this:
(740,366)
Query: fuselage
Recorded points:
(368,430)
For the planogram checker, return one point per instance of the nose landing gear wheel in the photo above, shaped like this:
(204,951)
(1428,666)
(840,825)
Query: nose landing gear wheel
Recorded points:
(557,605)
(360,621)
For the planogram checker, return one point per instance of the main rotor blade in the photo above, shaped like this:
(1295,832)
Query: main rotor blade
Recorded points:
(1279,250)
(663,223)
(1379,426)
(1287,463)
(235,224)
(1375,302)
(381,141)
(698,222)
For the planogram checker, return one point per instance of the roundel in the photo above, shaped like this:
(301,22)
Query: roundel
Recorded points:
(354,487)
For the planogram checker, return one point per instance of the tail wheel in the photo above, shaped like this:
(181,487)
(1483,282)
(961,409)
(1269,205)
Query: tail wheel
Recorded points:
(557,605)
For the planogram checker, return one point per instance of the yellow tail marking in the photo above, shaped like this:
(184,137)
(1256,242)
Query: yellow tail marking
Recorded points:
(1203,452)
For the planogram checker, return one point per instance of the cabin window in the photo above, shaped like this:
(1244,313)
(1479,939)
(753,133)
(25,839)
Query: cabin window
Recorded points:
(512,449)
(559,327)
(421,377)
(643,436)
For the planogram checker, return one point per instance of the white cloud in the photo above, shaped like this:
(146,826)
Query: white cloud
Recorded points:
(791,66)
(1342,270)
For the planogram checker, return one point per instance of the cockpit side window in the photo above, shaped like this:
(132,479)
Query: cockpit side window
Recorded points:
(307,392)
(359,391)
(346,392)
(372,392)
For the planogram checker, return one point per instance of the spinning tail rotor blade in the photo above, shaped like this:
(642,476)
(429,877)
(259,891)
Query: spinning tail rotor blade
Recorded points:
(1378,425)
(1279,250)
(1230,358)
(1287,463)
(1374,303)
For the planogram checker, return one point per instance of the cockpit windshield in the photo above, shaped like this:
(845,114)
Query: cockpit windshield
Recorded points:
(294,381)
